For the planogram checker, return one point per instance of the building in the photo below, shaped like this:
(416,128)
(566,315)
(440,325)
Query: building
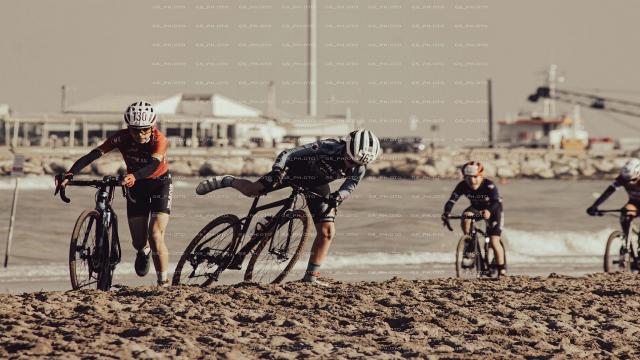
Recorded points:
(187,119)
(554,133)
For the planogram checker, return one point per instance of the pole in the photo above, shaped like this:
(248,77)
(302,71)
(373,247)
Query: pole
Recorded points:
(312,76)
(11,221)
(490,113)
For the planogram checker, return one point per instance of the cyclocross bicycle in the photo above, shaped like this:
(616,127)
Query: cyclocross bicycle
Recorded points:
(621,253)
(274,247)
(484,260)
(95,250)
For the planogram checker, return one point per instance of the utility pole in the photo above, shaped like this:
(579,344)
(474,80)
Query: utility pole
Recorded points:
(312,72)
(490,113)
(63,99)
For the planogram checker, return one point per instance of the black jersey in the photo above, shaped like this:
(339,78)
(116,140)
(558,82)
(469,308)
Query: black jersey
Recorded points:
(320,163)
(484,198)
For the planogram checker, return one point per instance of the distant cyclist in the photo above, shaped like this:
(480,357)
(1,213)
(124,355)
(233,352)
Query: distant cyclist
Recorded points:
(313,166)
(144,150)
(485,200)
(629,178)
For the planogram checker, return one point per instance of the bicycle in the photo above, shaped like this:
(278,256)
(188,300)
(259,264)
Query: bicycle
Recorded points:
(92,257)
(484,260)
(620,254)
(272,255)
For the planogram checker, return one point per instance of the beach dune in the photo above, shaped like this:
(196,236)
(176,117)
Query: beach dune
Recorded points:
(593,316)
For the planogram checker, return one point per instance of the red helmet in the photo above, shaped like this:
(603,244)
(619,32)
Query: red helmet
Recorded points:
(472,168)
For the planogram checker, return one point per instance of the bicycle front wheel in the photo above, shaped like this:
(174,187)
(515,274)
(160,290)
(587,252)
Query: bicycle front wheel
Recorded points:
(209,253)
(279,250)
(618,256)
(83,265)
(467,267)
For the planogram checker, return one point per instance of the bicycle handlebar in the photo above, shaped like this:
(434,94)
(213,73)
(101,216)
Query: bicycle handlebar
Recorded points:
(609,211)
(463,216)
(107,181)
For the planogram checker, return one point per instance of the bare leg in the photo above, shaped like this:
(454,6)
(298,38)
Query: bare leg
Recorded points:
(138,229)
(157,227)
(325,233)
(246,187)
(497,249)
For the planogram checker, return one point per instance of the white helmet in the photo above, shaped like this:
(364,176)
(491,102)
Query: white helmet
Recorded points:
(631,170)
(363,147)
(140,114)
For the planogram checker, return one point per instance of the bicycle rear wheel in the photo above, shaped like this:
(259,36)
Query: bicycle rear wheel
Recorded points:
(279,250)
(466,269)
(209,253)
(83,267)
(619,254)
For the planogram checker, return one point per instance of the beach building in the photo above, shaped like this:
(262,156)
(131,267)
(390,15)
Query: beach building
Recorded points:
(555,133)
(188,120)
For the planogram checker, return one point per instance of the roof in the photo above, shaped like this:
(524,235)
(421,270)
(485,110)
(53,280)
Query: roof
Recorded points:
(117,103)
(177,104)
(532,121)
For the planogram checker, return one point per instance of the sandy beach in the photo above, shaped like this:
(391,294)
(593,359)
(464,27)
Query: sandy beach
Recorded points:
(521,317)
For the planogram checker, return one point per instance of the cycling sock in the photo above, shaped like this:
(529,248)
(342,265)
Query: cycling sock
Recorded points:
(227,180)
(162,276)
(312,272)
(311,267)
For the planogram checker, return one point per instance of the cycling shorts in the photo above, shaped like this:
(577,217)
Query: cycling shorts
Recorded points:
(320,209)
(495,221)
(151,195)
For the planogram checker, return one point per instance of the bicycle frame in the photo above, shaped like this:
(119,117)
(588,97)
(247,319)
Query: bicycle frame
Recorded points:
(285,204)
(482,260)
(104,251)
(627,236)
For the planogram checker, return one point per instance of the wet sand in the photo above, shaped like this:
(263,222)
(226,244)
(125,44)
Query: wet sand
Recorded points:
(521,317)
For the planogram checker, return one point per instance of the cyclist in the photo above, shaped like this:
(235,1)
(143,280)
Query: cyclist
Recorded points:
(144,150)
(313,166)
(485,200)
(629,178)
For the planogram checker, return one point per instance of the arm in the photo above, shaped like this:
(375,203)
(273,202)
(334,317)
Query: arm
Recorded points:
(494,197)
(85,161)
(605,195)
(158,154)
(352,180)
(300,151)
(455,195)
(149,169)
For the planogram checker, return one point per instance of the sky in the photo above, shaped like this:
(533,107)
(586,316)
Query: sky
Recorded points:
(387,61)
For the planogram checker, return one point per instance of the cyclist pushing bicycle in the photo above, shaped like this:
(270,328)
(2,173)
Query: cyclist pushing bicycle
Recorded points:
(485,202)
(313,167)
(144,150)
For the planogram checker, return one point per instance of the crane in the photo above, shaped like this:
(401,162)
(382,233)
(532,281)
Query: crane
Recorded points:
(592,101)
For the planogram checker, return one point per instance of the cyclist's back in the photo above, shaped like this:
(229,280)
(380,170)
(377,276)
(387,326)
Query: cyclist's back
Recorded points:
(319,163)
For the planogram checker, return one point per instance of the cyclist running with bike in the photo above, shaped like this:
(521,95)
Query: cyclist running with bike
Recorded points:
(485,200)
(629,178)
(313,166)
(144,150)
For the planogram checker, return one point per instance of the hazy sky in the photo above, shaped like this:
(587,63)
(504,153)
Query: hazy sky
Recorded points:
(386,60)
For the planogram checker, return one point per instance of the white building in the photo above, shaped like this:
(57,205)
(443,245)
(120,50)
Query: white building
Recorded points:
(186,119)
(543,132)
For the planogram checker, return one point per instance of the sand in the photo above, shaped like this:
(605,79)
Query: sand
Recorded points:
(593,316)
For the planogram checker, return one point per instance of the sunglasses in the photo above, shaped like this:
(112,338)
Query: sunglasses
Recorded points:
(145,131)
